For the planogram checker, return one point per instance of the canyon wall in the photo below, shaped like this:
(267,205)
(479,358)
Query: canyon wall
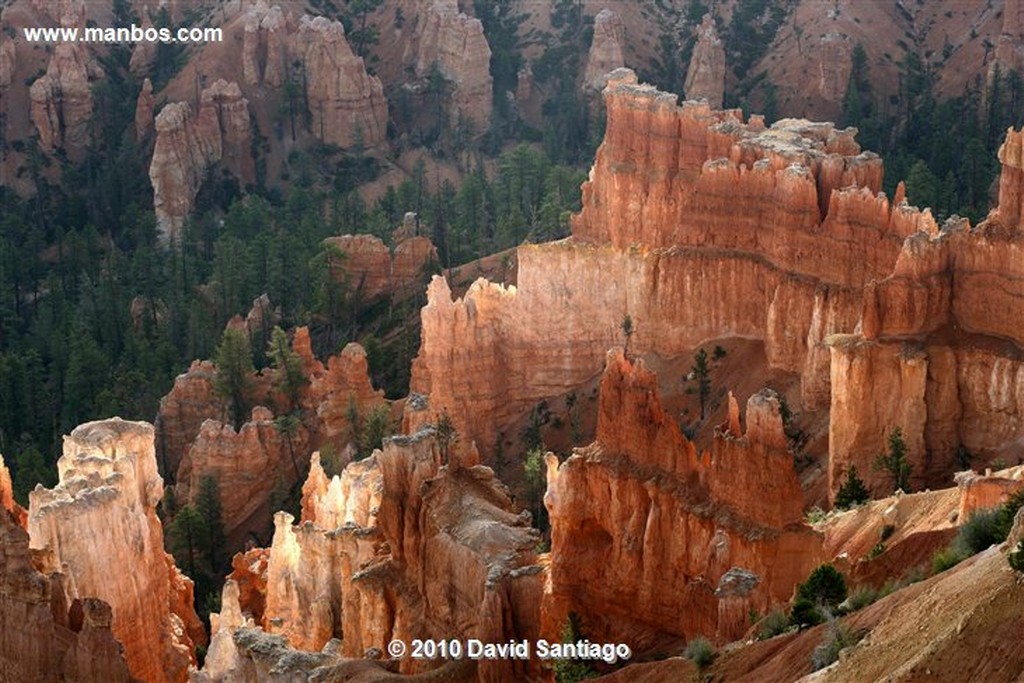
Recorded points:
(641,510)
(398,546)
(701,226)
(374,271)
(99,527)
(46,636)
(697,225)
(940,355)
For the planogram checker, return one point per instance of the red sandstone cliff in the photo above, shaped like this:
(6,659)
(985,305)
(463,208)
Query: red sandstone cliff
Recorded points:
(705,76)
(938,356)
(373,271)
(640,511)
(99,527)
(7,502)
(699,226)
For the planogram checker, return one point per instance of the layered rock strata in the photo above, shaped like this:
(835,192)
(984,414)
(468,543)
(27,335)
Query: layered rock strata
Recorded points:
(454,43)
(99,527)
(650,537)
(699,226)
(702,226)
(399,546)
(187,144)
(605,53)
(939,354)
(705,76)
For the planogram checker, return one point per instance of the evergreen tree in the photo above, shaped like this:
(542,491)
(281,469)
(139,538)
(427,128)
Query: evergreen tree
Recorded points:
(208,505)
(289,379)
(186,536)
(233,380)
(852,492)
(535,478)
(702,375)
(895,462)
(379,425)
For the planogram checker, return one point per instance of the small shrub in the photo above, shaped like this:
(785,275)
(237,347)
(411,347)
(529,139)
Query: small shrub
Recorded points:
(887,531)
(861,598)
(814,515)
(837,638)
(980,531)
(946,558)
(774,623)
(700,651)
(1016,558)
(853,492)
(875,551)
(825,585)
(805,613)
(718,353)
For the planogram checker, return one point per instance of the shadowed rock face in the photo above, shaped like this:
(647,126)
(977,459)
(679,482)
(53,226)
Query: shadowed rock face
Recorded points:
(99,527)
(455,44)
(397,546)
(605,50)
(640,511)
(45,635)
(187,144)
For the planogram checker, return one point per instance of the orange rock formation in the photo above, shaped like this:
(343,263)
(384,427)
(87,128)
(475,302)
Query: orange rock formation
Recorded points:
(455,44)
(641,510)
(399,546)
(605,50)
(697,225)
(374,271)
(939,355)
(705,76)
(99,527)
(7,502)
(700,226)
(187,144)
(62,98)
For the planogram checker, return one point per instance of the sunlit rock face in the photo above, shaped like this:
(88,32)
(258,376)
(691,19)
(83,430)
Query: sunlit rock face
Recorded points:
(99,527)
(938,351)
(640,510)
(697,224)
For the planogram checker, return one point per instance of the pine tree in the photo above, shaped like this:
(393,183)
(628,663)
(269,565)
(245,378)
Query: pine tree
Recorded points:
(702,375)
(290,378)
(186,537)
(208,505)
(852,492)
(378,426)
(535,477)
(446,434)
(895,462)
(233,380)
